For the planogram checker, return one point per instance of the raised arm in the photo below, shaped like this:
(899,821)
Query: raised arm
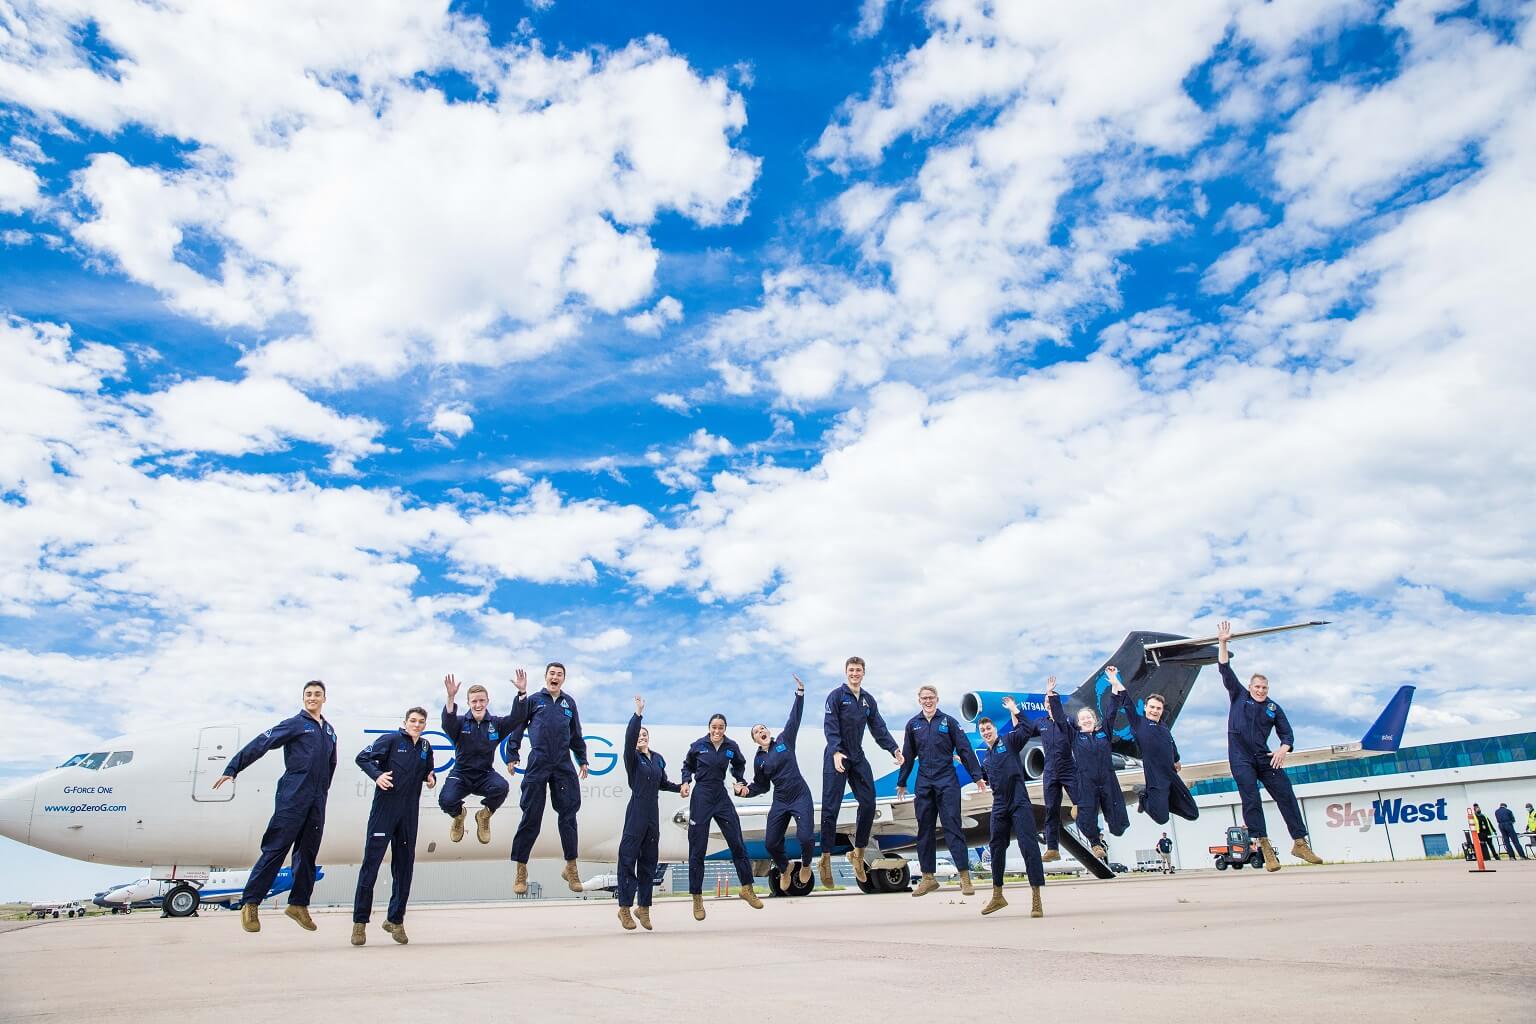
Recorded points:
(1058,716)
(1228,677)
(792,723)
(631,737)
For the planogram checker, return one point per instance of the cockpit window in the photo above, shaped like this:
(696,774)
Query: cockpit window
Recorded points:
(93,761)
(73,761)
(116,758)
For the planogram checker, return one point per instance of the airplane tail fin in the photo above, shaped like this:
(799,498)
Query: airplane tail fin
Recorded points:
(1387,733)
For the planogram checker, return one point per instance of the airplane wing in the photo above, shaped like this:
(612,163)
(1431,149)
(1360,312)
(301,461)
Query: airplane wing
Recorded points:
(1384,736)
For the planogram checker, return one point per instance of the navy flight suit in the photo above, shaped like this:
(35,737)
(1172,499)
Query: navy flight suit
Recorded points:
(1012,815)
(776,767)
(1248,725)
(936,743)
(706,767)
(1060,777)
(298,822)
(474,770)
(846,717)
(1166,792)
(392,819)
(642,827)
(1097,787)
(554,733)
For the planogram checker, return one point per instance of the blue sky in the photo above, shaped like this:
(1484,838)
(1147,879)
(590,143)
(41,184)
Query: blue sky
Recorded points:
(692,347)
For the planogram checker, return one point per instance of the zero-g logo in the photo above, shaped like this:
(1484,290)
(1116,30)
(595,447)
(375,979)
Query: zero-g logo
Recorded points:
(1384,812)
(598,762)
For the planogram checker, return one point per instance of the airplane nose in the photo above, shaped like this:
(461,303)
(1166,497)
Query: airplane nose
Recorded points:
(16,811)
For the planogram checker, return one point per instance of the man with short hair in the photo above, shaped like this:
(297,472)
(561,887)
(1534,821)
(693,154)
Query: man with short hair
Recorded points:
(1012,815)
(475,734)
(1485,833)
(1249,722)
(398,763)
(298,818)
(553,725)
(849,711)
(935,738)
(1506,819)
(1164,792)
(1165,853)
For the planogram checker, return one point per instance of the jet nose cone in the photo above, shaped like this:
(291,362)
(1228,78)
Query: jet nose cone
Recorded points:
(16,811)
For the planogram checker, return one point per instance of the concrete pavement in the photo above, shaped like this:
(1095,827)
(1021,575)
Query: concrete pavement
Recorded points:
(1405,942)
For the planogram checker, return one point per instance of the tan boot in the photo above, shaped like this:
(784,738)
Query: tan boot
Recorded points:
(1050,855)
(626,919)
(301,915)
(804,874)
(643,915)
(520,884)
(359,934)
(926,885)
(248,919)
(698,907)
(1302,850)
(856,861)
(483,824)
(572,876)
(1271,862)
(396,932)
(1099,851)
(456,828)
(746,893)
(966,888)
(826,871)
(1035,909)
(996,903)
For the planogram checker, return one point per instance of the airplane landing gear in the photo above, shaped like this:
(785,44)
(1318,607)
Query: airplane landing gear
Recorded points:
(181,901)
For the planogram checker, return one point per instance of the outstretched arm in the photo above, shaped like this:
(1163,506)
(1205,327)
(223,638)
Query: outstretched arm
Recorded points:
(631,737)
(908,759)
(796,711)
(280,735)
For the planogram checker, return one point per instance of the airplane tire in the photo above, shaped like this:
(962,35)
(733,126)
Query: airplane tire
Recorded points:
(892,879)
(867,886)
(773,883)
(181,901)
(795,888)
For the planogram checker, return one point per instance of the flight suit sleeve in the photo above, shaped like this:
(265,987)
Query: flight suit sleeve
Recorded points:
(374,758)
(521,711)
(832,726)
(908,757)
(450,723)
(631,737)
(1058,716)
(792,723)
(1283,728)
(280,735)
(1229,679)
(690,764)
(760,781)
(963,747)
(1122,701)
(1175,745)
(877,728)
(1020,733)
(520,717)
(665,784)
(332,774)
(738,766)
(578,741)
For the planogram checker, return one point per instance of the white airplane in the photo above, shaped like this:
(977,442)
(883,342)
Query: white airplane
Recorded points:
(220,888)
(147,799)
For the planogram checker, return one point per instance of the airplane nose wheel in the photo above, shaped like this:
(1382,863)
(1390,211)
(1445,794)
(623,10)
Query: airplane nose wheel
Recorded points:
(181,901)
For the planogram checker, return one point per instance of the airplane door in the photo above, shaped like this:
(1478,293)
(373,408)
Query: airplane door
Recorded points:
(215,746)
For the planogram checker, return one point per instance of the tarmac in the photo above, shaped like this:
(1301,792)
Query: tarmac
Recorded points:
(1404,942)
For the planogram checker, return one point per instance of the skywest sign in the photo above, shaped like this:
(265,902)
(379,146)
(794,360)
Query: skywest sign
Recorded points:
(1384,812)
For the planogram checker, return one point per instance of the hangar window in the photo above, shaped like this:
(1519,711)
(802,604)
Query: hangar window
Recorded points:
(116,758)
(1435,845)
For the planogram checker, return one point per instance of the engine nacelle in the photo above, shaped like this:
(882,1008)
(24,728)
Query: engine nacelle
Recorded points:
(989,704)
